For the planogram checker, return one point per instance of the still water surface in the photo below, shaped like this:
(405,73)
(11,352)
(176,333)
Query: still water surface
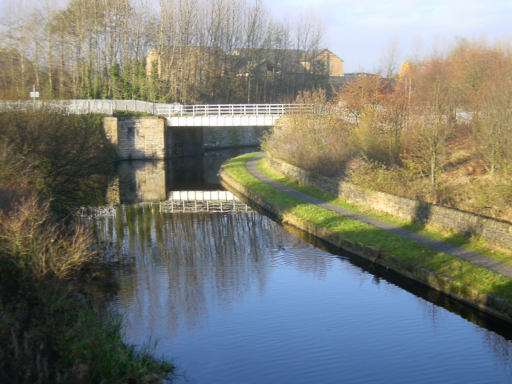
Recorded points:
(235,298)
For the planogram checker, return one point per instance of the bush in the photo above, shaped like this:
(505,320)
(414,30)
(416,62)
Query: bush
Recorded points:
(314,142)
(129,114)
(68,156)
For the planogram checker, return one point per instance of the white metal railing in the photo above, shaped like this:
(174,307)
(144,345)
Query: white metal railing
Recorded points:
(232,109)
(83,106)
(176,109)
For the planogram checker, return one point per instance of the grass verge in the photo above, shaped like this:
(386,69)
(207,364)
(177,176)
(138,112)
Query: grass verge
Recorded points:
(474,243)
(466,281)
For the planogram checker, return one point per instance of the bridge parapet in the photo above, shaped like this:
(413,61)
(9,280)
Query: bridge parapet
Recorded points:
(172,110)
(228,115)
(222,121)
(166,110)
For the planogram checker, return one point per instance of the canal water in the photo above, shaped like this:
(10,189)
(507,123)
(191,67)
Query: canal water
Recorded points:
(236,298)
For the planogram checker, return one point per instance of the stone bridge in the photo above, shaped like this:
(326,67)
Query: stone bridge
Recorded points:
(179,130)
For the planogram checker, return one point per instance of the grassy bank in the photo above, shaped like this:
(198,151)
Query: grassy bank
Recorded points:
(51,328)
(474,243)
(447,272)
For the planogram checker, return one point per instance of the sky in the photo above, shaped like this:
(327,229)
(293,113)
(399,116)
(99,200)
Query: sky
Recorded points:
(364,32)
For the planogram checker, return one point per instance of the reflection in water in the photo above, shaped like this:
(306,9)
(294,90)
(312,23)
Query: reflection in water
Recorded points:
(144,181)
(234,298)
(433,299)
(141,181)
(204,255)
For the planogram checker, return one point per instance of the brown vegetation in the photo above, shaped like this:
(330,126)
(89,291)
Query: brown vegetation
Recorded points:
(51,331)
(439,131)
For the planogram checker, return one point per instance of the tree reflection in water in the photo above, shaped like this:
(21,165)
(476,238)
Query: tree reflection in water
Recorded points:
(184,263)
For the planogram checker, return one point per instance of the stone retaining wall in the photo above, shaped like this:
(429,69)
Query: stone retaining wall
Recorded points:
(462,222)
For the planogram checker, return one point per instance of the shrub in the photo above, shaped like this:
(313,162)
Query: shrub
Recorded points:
(314,142)
(68,155)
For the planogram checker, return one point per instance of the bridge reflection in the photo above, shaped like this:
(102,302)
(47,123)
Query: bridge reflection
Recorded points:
(186,204)
(154,181)
(202,201)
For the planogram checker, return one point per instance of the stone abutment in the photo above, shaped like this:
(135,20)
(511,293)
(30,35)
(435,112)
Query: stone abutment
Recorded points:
(150,138)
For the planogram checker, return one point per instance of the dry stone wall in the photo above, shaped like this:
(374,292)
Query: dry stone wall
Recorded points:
(462,222)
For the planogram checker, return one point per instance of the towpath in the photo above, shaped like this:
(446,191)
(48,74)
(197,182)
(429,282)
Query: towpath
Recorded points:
(439,245)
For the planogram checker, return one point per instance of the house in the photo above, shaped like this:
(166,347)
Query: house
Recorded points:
(288,61)
(333,64)
(191,74)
